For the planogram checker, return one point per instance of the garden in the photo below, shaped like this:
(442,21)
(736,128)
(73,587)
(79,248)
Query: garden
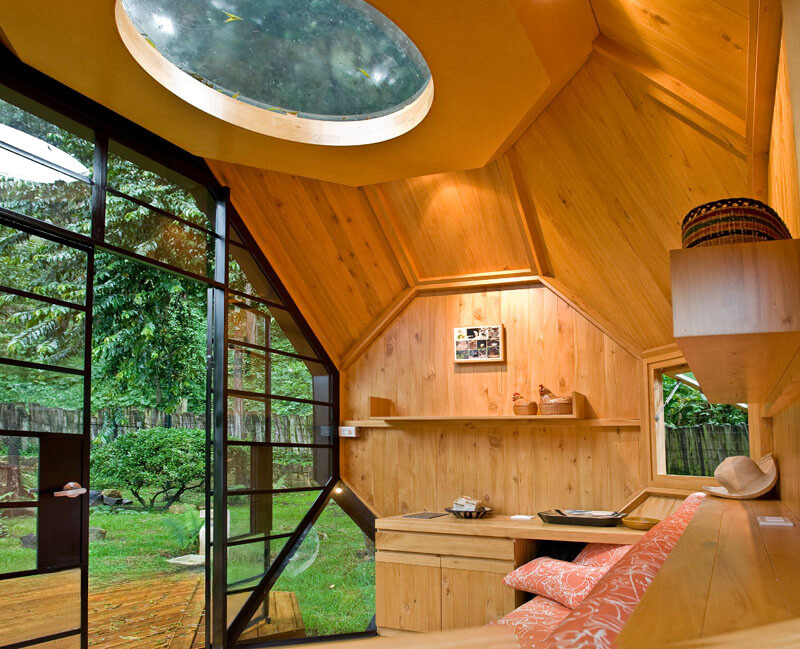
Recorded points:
(148,392)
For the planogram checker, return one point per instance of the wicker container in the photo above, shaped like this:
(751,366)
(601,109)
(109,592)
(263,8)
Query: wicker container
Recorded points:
(733,220)
(526,409)
(557,406)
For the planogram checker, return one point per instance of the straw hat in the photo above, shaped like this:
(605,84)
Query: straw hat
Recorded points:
(743,478)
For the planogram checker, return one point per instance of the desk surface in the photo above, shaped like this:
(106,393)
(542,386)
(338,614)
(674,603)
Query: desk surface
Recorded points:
(726,573)
(504,527)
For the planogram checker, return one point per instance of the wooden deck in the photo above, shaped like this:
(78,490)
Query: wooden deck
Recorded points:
(164,613)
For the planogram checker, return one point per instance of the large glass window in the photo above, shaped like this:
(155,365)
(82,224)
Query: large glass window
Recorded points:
(112,266)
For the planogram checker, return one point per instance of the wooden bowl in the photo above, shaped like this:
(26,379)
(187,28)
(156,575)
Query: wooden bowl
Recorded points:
(639,522)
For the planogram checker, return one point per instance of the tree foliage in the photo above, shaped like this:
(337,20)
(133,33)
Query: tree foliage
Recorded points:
(158,465)
(149,325)
(688,407)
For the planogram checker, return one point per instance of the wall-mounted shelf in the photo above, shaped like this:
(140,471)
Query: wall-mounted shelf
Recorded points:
(736,315)
(381,416)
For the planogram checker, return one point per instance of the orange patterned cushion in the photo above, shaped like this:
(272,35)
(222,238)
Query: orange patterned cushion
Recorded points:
(562,581)
(596,622)
(601,555)
(533,621)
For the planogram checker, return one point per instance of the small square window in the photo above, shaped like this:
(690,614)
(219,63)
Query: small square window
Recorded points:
(693,436)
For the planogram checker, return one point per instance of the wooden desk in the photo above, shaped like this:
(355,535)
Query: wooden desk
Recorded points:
(725,574)
(447,573)
(503,526)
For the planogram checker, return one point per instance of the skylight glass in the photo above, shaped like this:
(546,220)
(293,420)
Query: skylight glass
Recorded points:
(327,60)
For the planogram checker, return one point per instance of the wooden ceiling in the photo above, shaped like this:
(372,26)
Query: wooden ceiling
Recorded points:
(644,109)
(588,197)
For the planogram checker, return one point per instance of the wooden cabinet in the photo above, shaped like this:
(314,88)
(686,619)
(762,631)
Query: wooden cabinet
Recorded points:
(736,316)
(434,582)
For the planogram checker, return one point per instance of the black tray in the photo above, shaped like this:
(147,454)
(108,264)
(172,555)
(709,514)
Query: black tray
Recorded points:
(557,518)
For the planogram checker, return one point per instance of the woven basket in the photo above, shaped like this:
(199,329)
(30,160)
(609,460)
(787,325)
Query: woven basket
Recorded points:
(733,220)
(527,409)
(557,406)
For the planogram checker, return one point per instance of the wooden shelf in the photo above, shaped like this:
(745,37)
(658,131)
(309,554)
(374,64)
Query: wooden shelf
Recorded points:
(381,416)
(481,421)
(736,316)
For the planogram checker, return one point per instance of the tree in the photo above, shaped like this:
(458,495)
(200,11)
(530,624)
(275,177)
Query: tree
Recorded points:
(688,407)
(153,463)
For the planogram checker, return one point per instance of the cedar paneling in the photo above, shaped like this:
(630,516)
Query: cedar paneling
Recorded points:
(515,469)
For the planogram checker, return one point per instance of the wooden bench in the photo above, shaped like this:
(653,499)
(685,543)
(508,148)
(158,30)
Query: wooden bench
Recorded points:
(725,574)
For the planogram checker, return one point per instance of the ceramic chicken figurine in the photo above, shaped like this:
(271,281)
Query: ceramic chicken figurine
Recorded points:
(550,404)
(522,406)
(545,394)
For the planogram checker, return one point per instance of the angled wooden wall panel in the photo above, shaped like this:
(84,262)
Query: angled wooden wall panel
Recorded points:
(783,184)
(701,42)
(515,469)
(613,173)
(458,223)
(325,244)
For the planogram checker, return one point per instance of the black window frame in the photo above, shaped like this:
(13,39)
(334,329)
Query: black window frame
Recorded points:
(107,125)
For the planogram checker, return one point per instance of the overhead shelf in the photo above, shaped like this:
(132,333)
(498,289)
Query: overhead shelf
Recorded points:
(736,316)
(381,416)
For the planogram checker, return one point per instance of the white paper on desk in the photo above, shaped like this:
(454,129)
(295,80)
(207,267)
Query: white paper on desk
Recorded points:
(521,517)
(775,521)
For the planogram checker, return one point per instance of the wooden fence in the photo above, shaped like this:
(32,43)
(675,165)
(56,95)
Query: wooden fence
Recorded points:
(288,429)
(698,450)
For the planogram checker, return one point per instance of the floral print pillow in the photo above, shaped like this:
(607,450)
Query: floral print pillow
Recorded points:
(564,582)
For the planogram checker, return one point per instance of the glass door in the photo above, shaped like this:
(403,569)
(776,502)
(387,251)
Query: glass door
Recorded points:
(45,311)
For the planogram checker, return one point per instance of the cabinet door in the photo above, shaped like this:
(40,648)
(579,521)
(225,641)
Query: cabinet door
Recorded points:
(408,591)
(473,592)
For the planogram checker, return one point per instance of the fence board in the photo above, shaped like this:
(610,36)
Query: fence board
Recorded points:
(698,450)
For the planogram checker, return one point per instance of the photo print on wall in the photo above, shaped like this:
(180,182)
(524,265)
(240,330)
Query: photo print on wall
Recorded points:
(479,344)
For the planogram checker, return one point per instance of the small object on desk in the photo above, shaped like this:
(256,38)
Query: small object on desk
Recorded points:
(640,522)
(425,515)
(775,521)
(581,517)
(466,504)
(462,513)
(521,517)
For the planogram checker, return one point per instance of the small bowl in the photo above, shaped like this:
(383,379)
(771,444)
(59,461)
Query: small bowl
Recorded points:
(639,522)
(478,513)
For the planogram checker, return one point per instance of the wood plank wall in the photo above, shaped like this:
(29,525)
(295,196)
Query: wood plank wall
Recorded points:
(514,469)
(786,434)
(783,187)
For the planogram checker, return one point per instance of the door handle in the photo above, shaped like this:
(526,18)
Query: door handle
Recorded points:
(71,490)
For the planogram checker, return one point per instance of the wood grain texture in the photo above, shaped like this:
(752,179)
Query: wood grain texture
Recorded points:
(515,469)
(736,315)
(786,440)
(783,183)
(471,597)
(457,223)
(704,43)
(485,535)
(325,245)
(408,597)
(609,222)
(726,573)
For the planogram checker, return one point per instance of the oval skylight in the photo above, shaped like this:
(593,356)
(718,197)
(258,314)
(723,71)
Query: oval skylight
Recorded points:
(322,71)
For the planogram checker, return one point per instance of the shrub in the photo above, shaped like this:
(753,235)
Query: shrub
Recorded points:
(154,463)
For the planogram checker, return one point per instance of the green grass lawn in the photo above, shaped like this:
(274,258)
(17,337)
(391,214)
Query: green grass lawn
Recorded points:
(332,573)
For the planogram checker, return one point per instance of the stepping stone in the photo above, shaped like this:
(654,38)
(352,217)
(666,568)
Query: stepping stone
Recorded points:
(189,561)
